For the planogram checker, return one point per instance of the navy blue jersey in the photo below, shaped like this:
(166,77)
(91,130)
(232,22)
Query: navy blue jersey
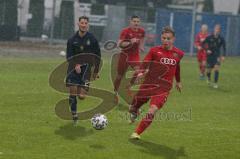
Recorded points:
(216,45)
(79,47)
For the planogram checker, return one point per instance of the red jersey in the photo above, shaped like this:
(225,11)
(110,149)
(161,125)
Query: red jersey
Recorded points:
(128,34)
(200,37)
(201,54)
(161,66)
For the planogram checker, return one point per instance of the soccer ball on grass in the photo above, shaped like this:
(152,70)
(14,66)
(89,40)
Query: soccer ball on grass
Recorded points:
(99,121)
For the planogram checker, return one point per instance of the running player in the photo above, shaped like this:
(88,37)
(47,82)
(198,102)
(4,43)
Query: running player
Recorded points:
(83,52)
(201,52)
(160,66)
(131,42)
(216,51)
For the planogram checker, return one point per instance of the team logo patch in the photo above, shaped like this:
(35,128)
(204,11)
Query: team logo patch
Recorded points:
(175,55)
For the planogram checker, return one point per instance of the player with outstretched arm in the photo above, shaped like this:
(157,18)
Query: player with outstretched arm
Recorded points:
(160,66)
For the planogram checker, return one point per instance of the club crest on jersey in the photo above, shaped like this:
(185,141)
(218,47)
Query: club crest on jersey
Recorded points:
(88,42)
(168,61)
(175,54)
(81,47)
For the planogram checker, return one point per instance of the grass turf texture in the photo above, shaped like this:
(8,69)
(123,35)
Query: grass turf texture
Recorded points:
(30,129)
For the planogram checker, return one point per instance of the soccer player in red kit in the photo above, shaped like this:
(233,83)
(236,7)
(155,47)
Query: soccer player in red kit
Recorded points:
(201,52)
(160,66)
(131,42)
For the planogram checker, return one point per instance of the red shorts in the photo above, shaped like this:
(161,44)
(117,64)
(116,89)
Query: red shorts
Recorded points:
(201,55)
(157,96)
(126,60)
(156,100)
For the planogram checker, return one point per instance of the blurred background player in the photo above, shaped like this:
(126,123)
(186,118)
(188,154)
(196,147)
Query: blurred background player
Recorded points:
(160,65)
(131,42)
(201,52)
(78,74)
(216,50)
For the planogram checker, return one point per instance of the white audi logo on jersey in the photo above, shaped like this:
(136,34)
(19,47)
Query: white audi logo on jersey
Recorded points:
(168,61)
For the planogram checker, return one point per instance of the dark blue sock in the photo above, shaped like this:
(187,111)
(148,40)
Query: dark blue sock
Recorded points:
(216,75)
(73,104)
(209,75)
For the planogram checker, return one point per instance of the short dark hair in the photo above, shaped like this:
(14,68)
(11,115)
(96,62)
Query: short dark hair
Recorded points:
(83,17)
(168,29)
(134,16)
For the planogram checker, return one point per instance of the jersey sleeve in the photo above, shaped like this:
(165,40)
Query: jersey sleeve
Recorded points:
(69,50)
(177,73)
(197,41)
(97,52)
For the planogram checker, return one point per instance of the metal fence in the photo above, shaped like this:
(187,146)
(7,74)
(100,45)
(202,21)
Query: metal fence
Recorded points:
(55,20)
(181,21)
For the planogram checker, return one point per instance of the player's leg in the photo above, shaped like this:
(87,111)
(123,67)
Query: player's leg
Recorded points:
(121,70)
(199,62)
(82,90)
(156,103)
(202,64)
(203,67)
(140,98)
(73,102)
(209,70)
(216,75)
(145,122)
(75,83)
(136,104)
(82,93)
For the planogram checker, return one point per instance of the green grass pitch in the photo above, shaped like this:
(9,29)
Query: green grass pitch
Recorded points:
(29,128)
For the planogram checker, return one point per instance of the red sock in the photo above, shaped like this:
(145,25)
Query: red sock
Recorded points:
(137,103)
(146,121)
(202,69)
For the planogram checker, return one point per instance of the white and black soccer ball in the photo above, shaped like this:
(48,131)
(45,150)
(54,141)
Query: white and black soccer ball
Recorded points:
(99,121)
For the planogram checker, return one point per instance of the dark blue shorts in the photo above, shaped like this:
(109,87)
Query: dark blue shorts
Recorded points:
(75,79)
(211,62)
